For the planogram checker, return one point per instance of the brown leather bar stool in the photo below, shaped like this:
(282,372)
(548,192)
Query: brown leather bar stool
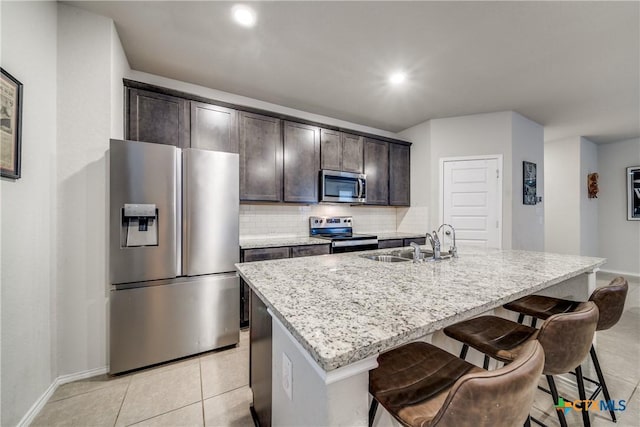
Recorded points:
(424,386)
(565,338)
(610,300)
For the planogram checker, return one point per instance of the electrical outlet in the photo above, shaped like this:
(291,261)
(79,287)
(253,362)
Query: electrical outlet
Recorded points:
(287,377)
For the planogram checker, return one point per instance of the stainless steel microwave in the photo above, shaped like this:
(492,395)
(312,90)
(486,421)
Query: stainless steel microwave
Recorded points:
(343,187)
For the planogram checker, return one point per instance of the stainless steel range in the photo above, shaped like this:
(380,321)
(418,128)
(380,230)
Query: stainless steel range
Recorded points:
(339,230)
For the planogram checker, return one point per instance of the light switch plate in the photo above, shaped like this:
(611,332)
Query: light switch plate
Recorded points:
(287,377)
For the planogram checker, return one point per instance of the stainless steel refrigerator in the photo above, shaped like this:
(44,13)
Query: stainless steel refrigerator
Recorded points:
(173,245)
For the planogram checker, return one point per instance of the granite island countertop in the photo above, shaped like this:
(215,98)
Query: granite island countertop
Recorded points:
(343,308)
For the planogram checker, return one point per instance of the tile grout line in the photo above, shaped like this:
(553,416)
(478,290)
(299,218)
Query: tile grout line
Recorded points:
(122,402)
(161,414)
(201,391)
(81,393)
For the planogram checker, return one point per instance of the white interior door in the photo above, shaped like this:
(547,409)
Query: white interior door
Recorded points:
(472,201)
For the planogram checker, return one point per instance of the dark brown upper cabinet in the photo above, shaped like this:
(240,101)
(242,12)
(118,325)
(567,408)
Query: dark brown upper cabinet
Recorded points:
(341,151)
(352,153)
(214,127)
(376,167)
(331,149)
(158,118)
(301,162)
(399,175)
(260,157)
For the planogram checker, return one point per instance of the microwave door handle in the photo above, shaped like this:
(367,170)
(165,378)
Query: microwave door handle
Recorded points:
(360,188)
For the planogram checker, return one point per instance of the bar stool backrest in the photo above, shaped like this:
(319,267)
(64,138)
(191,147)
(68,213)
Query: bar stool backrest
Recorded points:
(567,337)
(499,398)
(610,301)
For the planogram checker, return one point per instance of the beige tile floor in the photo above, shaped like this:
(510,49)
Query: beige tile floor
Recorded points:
(212,389)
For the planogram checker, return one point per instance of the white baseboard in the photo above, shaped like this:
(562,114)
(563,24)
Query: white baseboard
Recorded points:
(625,274)
(44,398)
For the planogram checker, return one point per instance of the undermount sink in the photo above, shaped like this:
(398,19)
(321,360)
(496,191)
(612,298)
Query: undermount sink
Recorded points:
(408,254)
(386,258)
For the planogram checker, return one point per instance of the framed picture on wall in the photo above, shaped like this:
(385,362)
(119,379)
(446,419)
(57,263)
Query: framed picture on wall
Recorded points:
(10,125)
(529,183)
(633,193)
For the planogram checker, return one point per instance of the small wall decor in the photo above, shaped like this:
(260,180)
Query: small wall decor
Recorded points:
(633,193)
(529,181)
(10,125)
(592,185)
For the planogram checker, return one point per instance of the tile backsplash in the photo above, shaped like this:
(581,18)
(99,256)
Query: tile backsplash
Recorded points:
(293,220)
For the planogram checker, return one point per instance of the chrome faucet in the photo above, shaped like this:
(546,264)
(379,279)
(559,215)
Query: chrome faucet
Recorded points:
(416,251)
(435,244)
(453,250)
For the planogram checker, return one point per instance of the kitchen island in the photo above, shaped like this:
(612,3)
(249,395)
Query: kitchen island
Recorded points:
(333,314)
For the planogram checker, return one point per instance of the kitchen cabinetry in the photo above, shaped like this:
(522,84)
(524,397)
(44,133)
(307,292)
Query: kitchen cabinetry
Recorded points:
(260,157)
(331,149)
(341,151)
(264,254)
(309,250)
(280,156)
(156,117)
(213,127)
(418,240)
(399,175)
(376,167)
(301,162)
(260,360)
(352,153)
(390,243)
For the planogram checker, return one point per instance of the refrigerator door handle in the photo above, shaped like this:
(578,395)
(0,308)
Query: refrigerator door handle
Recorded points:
(178,207)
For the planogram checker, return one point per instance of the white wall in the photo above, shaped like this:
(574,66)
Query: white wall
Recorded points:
(416,218)
(480,134)
(506,133)
(528,220)
(562,196)
(90,63)
(619,239)
(119,69)
(28,212)
(588,207)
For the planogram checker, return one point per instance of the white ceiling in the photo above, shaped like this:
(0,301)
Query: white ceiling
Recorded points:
(573,67)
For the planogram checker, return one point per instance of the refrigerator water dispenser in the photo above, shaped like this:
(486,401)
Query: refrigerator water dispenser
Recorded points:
(139,225)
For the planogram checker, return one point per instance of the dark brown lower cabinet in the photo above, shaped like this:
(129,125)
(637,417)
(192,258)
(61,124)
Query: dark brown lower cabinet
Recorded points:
(418,240)
(260,361)
(389,243)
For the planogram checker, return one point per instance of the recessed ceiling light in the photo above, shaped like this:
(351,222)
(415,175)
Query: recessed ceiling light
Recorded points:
(244,15)
(397,78)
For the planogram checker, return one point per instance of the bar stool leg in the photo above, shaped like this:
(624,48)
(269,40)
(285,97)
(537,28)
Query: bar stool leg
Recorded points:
(527,423)
(521,318)
(372,411)
(554,395)
(583,396)
(605,390)
(463,352)
(485,365)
